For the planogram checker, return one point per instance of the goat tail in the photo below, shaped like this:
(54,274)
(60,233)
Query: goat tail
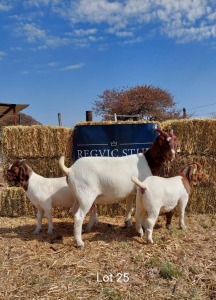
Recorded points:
(62,166)
(138,183)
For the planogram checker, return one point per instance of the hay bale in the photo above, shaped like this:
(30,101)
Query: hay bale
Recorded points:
(83,123)
(36,141)
(14,203)
(196,136)
(202,200)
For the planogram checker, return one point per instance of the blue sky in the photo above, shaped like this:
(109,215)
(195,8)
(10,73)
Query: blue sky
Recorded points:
(58,56)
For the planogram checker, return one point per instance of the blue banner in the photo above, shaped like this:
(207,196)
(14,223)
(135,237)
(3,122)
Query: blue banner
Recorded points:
(112,140)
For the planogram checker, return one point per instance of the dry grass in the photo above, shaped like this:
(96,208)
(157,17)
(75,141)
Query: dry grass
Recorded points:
(180,265)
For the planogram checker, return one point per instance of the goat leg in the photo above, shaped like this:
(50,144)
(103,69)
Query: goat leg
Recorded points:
(169,219)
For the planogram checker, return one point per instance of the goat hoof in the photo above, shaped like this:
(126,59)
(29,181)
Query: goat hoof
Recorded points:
(128,224)
(96,224)
(169,227)
(87,230)
(80,246)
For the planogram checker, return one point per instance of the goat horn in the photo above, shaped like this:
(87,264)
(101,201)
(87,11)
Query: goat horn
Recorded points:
(161,131)
(171,132)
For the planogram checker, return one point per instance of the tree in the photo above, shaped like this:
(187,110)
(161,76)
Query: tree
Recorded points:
(24,120)
(152,103)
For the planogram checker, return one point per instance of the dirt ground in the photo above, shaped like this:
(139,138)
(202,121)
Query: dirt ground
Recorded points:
(115,264)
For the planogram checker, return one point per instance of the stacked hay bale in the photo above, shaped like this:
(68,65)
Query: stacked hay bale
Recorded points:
(197,141)
(41,147)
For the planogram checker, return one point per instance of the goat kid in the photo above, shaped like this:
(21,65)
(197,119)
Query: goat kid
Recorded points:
(157,195)
(44,193)
(107,180)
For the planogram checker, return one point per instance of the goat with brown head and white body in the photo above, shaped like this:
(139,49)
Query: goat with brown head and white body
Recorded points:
(44,193)
(157,195)
(107,180)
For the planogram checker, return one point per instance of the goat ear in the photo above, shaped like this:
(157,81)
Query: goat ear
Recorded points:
(193,174)
(201,174)
(160,131)
(23,175)
(198,165)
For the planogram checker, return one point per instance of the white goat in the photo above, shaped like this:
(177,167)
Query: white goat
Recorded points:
(157,195)
(44,193)
(107,180)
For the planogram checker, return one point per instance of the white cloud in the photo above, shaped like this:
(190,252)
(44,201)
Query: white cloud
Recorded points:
(72,67)
(39,3)
(24,72)
(5,6)
(2,54)
(182,20)
(124,33)
(171,18)
(82,32)
(52,64)
(95,11)
(16,49)
(34,34)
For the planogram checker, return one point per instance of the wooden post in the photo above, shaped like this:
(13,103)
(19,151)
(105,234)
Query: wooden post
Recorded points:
(14,115)
(59,119)
(19,119)
(89,116)
(184,113)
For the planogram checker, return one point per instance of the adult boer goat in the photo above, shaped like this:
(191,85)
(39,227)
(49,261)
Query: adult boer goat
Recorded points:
(156,195)
(107,180)
(44,193)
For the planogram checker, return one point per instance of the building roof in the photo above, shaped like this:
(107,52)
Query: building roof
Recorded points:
(7,109)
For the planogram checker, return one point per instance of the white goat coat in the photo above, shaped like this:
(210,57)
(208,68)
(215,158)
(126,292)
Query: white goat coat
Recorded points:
(106,180)
(156,195)
(48,192)
(162,193)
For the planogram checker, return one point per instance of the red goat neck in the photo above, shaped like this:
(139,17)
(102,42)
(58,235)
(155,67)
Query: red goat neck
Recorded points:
(155,157)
